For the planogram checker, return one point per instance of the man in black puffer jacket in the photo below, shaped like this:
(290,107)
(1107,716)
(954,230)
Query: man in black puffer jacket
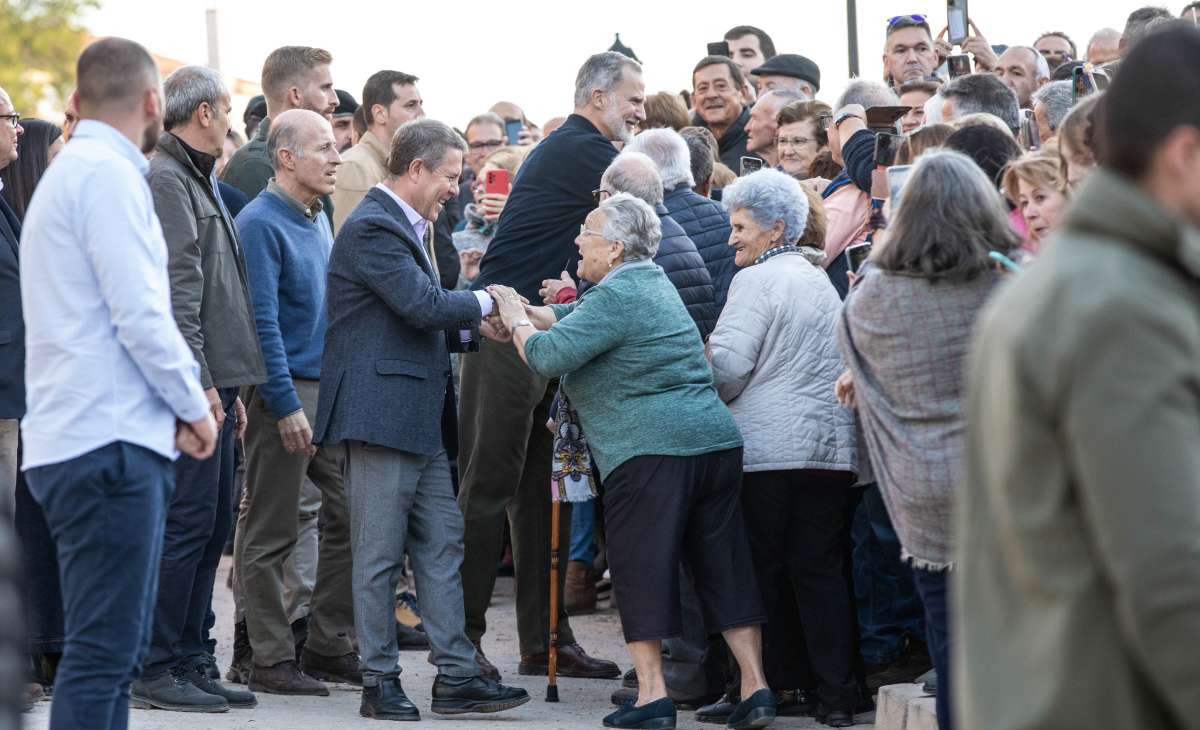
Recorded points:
(681,167)
(636,174)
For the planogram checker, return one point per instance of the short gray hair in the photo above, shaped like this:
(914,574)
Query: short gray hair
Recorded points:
(634,173)
(669,151)
(984,93)
(601,71)
(1103,35)
(423,139)
(1057,98)
(186,89)
(868,94)
(634,223)
(770,196)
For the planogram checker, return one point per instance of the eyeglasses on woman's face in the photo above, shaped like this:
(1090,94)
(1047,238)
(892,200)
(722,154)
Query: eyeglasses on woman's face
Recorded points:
(793,141)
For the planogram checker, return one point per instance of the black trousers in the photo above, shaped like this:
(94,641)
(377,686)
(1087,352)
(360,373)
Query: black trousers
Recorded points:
(798,537)
(661,509)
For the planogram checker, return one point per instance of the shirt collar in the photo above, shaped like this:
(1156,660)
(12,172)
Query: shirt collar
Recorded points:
(109,136)
(775,251)
(203,161)
(310,212)
(415,220)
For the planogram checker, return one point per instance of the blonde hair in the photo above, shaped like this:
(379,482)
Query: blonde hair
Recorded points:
(1034,168)
(814,229)
(722,176)
(507,158)
(286,66)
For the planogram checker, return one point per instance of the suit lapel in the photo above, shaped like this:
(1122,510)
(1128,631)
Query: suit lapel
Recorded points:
(405,229)
(10,228)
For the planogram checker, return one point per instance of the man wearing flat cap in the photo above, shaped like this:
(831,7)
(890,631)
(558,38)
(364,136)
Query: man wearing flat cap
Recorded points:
(788,72)
(343,120)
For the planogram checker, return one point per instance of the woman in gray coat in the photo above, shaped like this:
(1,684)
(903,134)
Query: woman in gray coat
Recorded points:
(904,333)
(775,361)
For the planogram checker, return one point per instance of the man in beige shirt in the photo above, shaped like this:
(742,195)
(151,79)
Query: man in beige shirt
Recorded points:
(390,99)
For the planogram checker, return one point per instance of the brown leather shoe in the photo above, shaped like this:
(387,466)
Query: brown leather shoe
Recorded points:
(580,590)
(344,668)
(489,669)
(573,661)
(285,678)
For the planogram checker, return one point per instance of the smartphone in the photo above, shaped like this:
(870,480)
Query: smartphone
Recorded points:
(956,19)
(496,181)
(856,255)
(886,145)
(959,65)
(1082,82)
(897,175)
(513,127)
(720,48)
(751,164)
(1031,139)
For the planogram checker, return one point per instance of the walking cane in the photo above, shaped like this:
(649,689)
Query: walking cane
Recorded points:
(552,686)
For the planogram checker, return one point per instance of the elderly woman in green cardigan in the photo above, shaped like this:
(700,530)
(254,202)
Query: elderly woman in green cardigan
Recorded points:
(670,456)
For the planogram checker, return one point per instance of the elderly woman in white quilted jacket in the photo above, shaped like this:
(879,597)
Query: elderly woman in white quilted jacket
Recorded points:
(775,359)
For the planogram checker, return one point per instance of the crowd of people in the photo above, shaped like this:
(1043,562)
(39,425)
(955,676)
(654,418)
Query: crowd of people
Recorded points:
(897,388)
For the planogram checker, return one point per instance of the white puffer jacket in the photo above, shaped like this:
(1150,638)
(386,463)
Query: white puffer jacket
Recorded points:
(775,360)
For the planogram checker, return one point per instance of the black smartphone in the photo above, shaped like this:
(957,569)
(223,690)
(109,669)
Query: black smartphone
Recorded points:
(721,48)
(886,145)
(959,65)
(956,20)
(751,164)
(856,255)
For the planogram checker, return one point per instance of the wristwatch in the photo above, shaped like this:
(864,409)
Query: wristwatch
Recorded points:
(843,117)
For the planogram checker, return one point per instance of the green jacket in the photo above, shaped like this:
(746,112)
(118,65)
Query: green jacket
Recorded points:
(635,370)
(1077,593)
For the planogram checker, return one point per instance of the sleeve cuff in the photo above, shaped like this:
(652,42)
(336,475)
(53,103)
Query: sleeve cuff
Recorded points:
(566,295)
(485,303)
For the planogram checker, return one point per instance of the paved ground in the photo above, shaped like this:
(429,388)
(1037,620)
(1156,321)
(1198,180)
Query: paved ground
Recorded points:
(583,703)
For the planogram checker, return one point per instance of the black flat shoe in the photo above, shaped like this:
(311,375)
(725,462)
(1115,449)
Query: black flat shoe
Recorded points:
(658,715)
(718,712)
(757,710)
(387,701)
(461,695)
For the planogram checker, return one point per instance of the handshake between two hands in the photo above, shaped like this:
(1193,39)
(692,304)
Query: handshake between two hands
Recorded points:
(508,309)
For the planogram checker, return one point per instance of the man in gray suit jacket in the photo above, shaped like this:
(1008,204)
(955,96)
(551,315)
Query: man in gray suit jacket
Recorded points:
(386,396)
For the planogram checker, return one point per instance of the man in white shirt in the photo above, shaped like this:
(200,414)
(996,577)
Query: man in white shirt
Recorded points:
(113,391)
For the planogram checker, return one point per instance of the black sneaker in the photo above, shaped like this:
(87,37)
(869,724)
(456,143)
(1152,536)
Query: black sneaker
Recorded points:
(460,695)
(387,701)
(198,674)
(172,691)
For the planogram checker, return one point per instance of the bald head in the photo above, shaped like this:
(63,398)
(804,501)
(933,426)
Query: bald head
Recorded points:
(303,152)
(636,174)
(294,130)
(507,110)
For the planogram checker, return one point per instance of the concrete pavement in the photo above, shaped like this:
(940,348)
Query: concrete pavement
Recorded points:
(583,703)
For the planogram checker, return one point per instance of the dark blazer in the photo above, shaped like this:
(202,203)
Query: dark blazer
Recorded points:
(385,375)
(12,321)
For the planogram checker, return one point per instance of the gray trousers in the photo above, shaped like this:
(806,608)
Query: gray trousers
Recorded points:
(9,427)
(403,502)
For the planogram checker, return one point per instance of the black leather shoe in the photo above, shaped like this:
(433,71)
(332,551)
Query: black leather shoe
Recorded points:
(387,701)
(344,668)
(197,672)
(627,695)
(757,710)
(460,695)
(718,712)
(630,679)
(624,696)
(172,691)
(795,703)
(658,715)
(834,718)
(409,638)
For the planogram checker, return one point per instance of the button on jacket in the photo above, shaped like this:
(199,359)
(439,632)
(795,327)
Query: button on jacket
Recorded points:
(209,291)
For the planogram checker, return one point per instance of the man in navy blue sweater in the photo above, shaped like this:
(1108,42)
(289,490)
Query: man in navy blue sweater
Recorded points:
(506,471)
(287,242)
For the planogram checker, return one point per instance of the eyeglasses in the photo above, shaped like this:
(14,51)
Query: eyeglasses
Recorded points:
(600,195)
(793,141)
(14,119)
(486,145)
(585,231)
(909,18)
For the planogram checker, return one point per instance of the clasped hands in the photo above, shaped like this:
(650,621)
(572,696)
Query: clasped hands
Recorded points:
(509,308)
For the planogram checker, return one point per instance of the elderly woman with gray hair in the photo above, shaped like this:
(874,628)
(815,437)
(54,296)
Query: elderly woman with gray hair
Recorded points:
(632,364)
(775,361)
(904,333)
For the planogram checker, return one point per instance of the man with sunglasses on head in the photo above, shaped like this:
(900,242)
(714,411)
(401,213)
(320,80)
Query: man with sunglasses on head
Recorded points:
(908,52)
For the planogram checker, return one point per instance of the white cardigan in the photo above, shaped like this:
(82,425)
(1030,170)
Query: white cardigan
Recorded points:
(775,360)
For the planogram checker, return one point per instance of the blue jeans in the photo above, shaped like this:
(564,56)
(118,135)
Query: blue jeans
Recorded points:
(199,519)
(933,587)
(105,510)
(583,531)
(888,606)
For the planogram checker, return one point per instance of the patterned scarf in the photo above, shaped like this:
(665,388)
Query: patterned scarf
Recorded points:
(571,478)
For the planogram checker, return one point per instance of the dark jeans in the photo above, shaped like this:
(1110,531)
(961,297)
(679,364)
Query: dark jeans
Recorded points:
(198,523)
(933,587)
(106,512)
(888,606)
(797,532)
(45,620)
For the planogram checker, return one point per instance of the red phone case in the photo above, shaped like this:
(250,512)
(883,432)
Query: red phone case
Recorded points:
(496,182)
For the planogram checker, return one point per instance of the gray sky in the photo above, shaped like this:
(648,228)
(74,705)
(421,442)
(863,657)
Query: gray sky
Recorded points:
(470,54)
